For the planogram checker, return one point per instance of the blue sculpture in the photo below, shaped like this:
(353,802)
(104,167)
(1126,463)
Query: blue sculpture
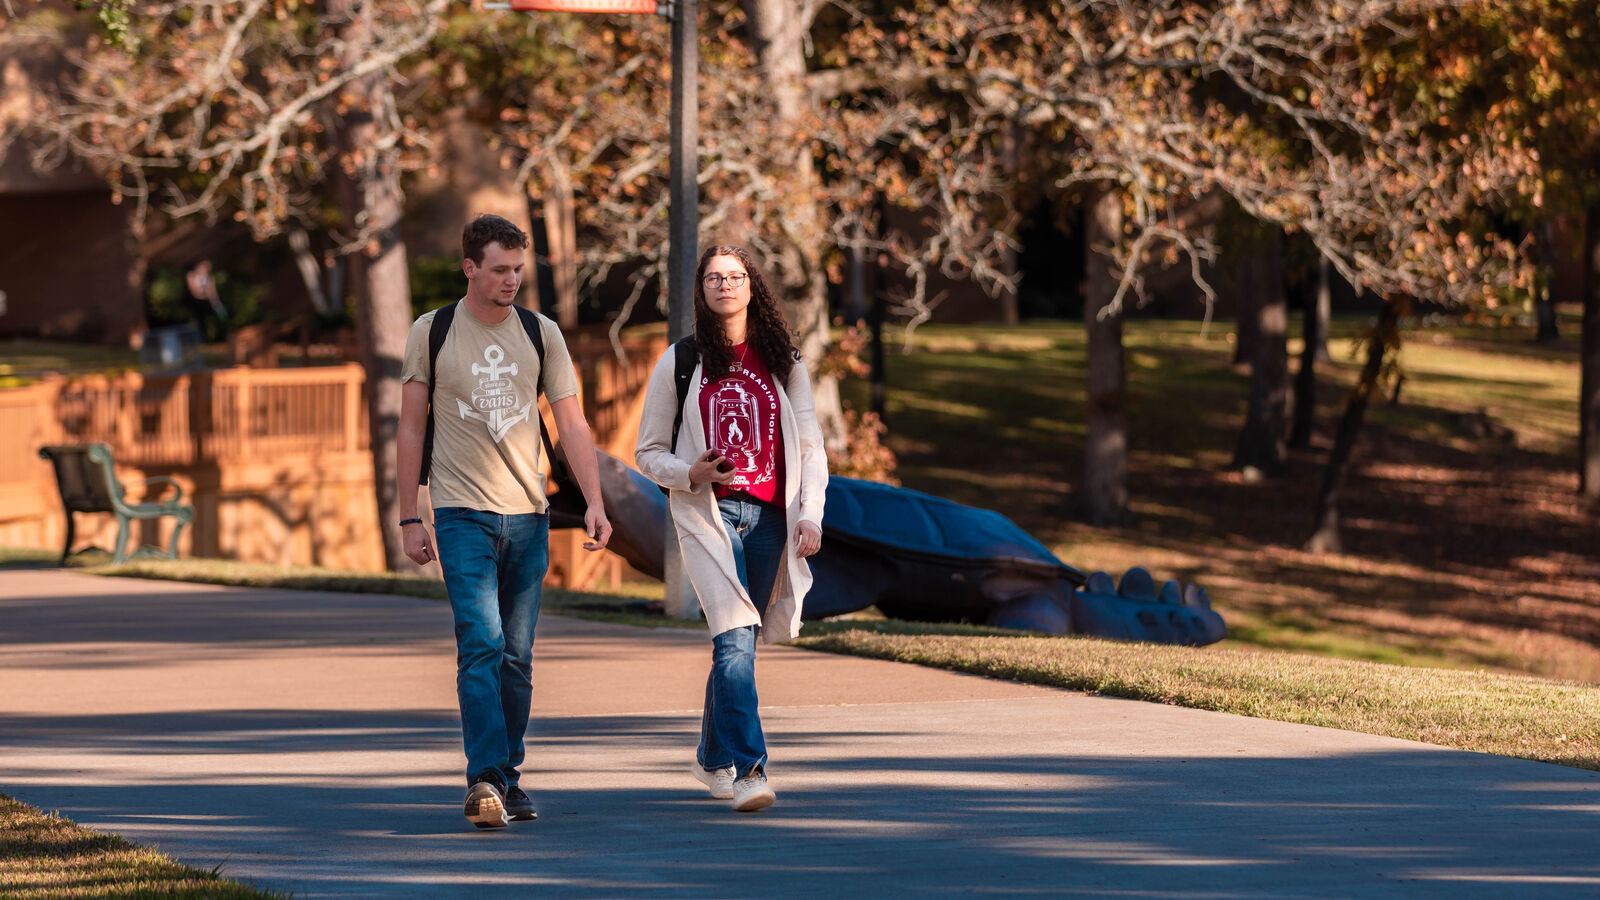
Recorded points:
(924,558)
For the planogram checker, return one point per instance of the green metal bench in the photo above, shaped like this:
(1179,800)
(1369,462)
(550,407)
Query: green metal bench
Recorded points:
(88,484)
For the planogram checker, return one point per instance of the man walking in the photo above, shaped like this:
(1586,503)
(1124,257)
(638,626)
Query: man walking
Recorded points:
(470,429)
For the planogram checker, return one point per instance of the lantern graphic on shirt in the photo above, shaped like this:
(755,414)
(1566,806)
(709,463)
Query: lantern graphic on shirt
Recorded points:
(733,415)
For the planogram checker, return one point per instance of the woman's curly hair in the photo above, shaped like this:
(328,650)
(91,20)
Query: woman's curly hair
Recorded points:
(767,332)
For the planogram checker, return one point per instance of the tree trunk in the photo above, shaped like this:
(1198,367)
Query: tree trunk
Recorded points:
(855,299)
(561,233)
(1589,366)
(778,31)
(879,312)
(1324,307)
(1312,325)
(880,372)
(1105,452)
(553,289)
(371,203)
(1010,137)
(138,270)
(1262,440)
(1249,289)
(1326,536)
(1544,303)
(539,287)
(310,268)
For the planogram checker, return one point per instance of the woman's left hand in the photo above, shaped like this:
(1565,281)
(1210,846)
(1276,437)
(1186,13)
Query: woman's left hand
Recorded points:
(807,539)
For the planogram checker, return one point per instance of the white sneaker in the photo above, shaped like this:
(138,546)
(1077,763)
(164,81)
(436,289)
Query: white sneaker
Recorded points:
(720,782)
(751,793)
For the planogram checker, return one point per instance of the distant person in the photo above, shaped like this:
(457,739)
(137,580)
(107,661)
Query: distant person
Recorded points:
(200,295)
(489,508)
(746,475)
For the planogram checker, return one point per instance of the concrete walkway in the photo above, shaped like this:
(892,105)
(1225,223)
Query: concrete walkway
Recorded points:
(309,742)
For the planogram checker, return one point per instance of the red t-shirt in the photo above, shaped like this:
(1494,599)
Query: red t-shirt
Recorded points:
(740,410)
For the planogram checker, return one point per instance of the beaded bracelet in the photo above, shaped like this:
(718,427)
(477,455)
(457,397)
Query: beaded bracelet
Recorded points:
(405,522)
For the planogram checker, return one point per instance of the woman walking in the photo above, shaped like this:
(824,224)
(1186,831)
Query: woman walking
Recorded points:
(744,467)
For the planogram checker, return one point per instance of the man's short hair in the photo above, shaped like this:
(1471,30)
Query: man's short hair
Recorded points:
(488,229)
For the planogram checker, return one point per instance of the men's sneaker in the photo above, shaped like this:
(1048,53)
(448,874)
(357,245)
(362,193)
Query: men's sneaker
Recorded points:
(519,806)
(486,800)
(751,793)
(720,782)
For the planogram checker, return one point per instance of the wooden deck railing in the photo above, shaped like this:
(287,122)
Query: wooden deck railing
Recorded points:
(613,389)
(211,416)
(285,427)
(28,421)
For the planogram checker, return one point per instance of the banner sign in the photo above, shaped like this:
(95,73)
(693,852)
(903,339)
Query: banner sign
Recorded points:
(645,7)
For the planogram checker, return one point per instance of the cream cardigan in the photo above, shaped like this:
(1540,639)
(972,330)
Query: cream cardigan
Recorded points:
(702,538)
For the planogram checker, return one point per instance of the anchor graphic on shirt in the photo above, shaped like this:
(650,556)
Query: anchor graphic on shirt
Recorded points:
(494,402)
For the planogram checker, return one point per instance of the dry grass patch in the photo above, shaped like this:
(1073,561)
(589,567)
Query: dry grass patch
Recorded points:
(45,855)
(630,604)
(1508,715)
(242,574)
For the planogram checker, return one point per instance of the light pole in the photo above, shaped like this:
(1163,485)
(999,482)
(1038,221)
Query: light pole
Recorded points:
(683,211)
(683,248)
(684,202)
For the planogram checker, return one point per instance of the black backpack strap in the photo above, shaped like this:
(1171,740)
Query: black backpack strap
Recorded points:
(439,329)
(685,357)
(530,324)
(436,335)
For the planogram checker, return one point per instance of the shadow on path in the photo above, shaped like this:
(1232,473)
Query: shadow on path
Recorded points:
(221,616)
(309,742)
(619,816)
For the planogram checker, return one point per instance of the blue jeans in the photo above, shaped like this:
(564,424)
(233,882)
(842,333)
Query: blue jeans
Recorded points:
(730,727)
(494,568)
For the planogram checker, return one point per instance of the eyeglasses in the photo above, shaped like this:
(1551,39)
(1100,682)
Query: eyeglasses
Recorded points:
(715,281)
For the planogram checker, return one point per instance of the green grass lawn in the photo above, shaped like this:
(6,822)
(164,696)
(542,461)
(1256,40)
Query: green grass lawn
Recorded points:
(43,855)
(1463,550)
(1508,715)
(22,360)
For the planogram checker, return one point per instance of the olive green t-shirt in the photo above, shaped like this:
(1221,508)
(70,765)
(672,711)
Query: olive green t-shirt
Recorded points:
(486,422)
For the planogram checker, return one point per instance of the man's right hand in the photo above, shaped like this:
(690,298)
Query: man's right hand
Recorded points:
(414,540)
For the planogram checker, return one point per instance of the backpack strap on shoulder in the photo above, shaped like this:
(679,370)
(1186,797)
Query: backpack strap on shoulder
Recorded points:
(530,324)
(686,355)
(438,329)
